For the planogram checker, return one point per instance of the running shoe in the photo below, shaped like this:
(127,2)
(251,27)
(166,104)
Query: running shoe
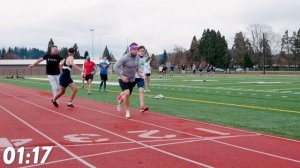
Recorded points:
(70,104)
(54,103)
(144,108)
(127,115)
(119,107)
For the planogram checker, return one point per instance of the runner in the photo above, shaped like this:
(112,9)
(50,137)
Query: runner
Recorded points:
(65,79)
(89,69)
(147,72)
(126,68)
(52,68)
(139,78)
(103,66)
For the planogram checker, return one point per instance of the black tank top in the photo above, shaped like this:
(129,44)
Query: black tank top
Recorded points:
(66,69)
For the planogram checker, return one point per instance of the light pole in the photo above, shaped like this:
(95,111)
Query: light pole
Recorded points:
(92,30)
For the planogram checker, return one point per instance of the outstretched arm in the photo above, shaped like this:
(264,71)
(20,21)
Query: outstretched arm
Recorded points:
(36,63)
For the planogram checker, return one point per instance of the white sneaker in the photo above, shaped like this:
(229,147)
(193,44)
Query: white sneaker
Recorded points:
(148,90)
(127,115)
(119,107)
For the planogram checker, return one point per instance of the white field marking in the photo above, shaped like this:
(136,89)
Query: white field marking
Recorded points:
(268,95)
(241,93)
(256,151)
(159,114)
(286,91)
(212,131)
(149,134)
(253,94)
(264,82)
(284,96)
(106,153)
(197,80)
(225,143)
(137,148)
(204,87)
(78,81)
(47,137)
(297,93)
(4,142)
(113,133)
(192,161)
(120,143)
(228,92)
(110,114)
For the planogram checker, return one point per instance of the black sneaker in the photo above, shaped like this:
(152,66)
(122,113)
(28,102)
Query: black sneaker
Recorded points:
(54,103)
(70,105)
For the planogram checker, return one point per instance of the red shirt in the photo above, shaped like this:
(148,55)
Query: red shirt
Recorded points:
(89,67)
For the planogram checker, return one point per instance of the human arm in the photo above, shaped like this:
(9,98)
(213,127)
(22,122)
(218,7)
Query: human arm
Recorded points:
(36,62)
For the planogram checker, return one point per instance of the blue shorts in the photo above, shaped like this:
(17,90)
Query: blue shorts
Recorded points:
(140,82)
(65,80)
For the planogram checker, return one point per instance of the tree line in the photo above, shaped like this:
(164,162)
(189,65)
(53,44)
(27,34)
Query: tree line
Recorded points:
(252,49)
(34,53)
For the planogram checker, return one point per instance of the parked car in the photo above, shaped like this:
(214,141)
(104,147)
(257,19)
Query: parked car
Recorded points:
(240,70)
(219,70)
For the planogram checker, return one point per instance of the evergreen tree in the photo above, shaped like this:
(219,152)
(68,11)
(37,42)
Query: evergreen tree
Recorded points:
(86,54)
(295,48)
(63,52)
(213,48)
(286,45)
(77,54)
(163,58)
(50,44)
(106,53)
(194,51)
(247,61)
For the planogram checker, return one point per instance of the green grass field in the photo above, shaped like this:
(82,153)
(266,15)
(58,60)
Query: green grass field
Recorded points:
(266,104)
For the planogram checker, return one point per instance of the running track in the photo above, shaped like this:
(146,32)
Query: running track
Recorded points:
(94,134)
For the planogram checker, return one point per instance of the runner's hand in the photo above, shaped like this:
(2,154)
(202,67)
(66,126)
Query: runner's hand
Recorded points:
(124,79)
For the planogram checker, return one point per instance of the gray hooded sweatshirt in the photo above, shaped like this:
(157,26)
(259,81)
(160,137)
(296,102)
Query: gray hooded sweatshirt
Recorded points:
(127,66)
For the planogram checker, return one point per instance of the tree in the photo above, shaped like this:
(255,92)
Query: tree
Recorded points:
(213,48)
(106,53)
(256,32)
(50,44)
(286,45)
(241,51)
(163,58)
(77,54)
(295,48)
(86,54)
(63,52)
(247,61)
(194,54)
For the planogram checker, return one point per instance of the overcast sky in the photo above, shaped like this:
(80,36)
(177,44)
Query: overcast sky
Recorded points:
(157,24)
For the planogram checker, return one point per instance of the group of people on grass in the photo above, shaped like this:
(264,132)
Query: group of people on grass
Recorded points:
(132,69)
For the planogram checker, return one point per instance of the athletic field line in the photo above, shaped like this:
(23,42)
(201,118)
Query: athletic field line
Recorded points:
(47,137)
(113,133)
(207,102)
(243,148)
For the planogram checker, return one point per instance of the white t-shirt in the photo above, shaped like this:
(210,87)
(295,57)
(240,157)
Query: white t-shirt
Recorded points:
(147,67)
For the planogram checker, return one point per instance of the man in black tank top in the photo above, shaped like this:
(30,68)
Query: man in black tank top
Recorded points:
(52,68)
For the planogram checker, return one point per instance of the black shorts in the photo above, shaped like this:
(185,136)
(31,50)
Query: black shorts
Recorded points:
(103,77)
(125,86)
(65,80)
(89,77)
(148,74)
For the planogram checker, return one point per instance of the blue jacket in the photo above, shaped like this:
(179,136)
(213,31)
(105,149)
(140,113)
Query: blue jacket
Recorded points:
(102,69)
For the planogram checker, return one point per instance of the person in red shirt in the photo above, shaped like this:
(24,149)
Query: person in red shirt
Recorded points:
(89,70)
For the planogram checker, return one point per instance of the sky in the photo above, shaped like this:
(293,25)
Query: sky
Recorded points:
(157,24)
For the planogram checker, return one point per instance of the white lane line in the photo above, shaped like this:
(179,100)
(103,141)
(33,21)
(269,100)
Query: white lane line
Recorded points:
(210,124)
(113,133)
(256,151)
(47,137)
(212,131)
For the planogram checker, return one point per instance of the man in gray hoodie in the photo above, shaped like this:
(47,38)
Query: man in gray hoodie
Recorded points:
(126,68)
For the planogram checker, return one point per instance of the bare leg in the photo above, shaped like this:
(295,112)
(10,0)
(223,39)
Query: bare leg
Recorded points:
(74,91)
(90,85)
(61,92)
(142,100)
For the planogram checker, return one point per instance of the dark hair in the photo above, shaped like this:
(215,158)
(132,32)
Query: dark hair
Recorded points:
(71,50)
(141,47)
(54,46)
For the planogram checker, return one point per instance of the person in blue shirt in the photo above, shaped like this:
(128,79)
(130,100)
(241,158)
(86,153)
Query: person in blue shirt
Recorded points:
(103,66)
